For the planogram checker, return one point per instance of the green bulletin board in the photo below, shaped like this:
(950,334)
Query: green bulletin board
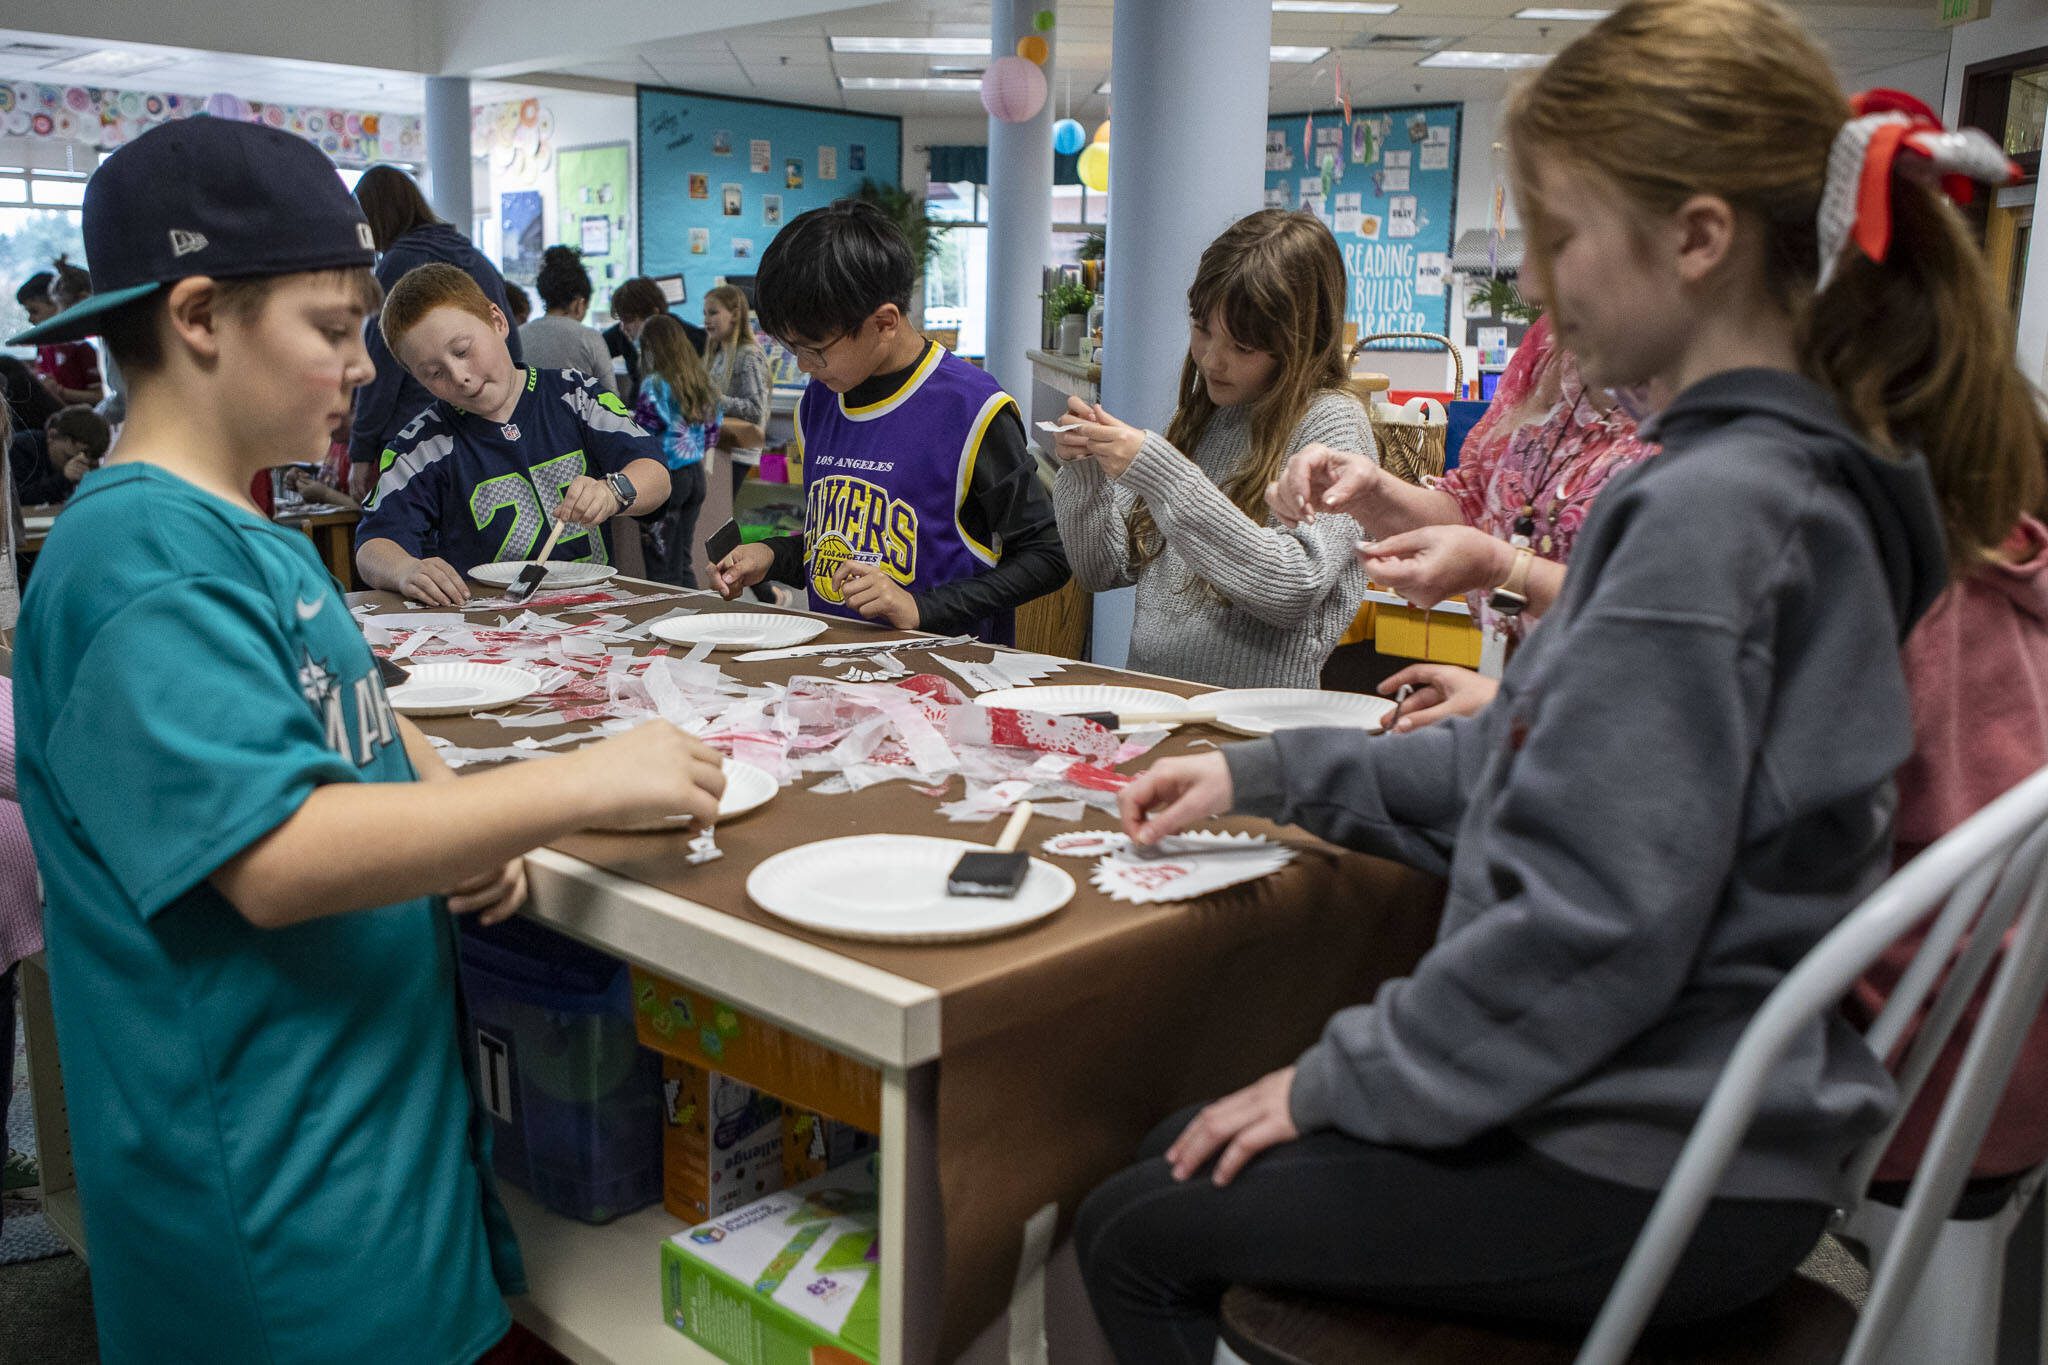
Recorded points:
(592,199)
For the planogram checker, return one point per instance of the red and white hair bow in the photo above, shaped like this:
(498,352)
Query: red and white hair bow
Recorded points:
(1895,133)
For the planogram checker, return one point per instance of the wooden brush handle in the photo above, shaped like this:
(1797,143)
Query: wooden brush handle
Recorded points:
(548,547)
(1013,833)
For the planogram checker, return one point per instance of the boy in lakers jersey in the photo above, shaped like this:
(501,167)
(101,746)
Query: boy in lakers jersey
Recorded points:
(922,503)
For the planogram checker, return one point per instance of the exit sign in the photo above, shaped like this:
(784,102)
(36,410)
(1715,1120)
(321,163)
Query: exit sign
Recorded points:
(1950,12)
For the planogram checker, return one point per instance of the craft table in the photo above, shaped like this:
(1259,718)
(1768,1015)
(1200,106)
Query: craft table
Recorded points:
(1017,1072)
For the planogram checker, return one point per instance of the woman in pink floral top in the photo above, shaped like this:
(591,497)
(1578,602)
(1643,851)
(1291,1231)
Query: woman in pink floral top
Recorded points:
(1526,478)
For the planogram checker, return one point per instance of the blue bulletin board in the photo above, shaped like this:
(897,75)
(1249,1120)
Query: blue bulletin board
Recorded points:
(719,177)
(1387,185)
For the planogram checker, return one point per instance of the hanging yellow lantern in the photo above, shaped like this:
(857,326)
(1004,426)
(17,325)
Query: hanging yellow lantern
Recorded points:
(1093,166)
(1102,134)
(1033,49)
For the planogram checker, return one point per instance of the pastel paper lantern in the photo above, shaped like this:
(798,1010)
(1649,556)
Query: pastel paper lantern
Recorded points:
(1068,137)
(1012,89)
(223,105)
(1093,167)
(1042,21)
(1102,134)
(1033,49)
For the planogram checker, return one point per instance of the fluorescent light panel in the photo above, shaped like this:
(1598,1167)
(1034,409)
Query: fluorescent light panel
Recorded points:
(1564,16)
(922,47)
(1332,7)
(1297,54)
(110,61)
(908,83)
(1485,61)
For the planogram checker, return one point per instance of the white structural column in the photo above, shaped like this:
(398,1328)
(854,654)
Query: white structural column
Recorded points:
(1019,212)
(1187,157)
(448,162)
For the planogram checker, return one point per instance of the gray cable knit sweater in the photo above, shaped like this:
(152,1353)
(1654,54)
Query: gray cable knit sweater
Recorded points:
(1291,593)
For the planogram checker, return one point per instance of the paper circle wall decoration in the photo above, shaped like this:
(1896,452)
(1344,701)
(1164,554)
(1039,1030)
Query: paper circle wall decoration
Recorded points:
(1068,137)
(1012,89)
(1042,21)
(1033,49)
(1093,167)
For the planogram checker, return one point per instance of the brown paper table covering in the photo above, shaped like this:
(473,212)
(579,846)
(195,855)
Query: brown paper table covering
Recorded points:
(1061,1045)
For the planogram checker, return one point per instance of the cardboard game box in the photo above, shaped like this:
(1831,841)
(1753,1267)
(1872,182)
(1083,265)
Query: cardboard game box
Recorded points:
(723,1142)
(790,1279)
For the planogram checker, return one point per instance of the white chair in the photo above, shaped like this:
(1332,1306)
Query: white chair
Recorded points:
(1935,1292)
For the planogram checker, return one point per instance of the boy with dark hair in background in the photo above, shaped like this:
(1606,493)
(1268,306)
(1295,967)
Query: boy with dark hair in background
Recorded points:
(923,506)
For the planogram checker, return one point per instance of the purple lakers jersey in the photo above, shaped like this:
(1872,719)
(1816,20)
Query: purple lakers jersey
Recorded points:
(884,483)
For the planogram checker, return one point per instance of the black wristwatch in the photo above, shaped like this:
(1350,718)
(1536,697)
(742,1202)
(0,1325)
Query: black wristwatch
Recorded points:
(622,489)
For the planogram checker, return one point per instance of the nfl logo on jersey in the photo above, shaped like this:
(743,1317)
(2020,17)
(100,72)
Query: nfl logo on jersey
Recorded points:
(511,430)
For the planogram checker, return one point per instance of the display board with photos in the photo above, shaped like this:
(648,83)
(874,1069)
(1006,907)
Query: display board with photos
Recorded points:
(1386,183)
(720,176)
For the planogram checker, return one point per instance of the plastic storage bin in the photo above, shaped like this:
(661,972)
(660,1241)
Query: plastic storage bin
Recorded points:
(575,1101)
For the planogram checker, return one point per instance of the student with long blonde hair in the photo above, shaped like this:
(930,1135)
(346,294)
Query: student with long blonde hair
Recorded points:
(1686,780)
(679,403)
(739,367)
(1226,595)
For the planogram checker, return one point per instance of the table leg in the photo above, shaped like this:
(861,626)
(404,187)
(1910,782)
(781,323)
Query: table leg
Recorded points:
(913,1238)
(46,1098)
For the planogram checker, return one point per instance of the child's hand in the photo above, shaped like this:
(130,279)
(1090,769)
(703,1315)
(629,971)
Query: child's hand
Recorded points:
(78,466)
(869,590)
(587,502)
(741,569)
(1430,563)
(1069,446)
(1173,795)
(492,897)
(434,581)
(1319,479)
(1441,691)
(652,772)
(1239,1126)
(1103,439)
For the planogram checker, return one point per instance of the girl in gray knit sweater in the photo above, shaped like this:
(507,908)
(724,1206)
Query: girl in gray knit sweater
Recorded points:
(1227,595)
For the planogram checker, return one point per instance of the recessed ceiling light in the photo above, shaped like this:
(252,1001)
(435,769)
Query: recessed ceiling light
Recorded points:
(1332,7)
(110,61)
(1485,61)
(1297,54)
(1565,16)
(923,47)
(908,83)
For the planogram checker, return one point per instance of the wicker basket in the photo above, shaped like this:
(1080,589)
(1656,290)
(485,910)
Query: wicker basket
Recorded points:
(1411,450)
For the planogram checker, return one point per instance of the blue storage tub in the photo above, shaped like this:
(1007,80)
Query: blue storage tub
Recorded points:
(575,1101)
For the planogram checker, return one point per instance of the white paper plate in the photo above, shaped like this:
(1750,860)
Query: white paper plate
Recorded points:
(1073,700)
(740,629)
(456,689)
(562,573)
(747,788)
(1262,710)
(892,888)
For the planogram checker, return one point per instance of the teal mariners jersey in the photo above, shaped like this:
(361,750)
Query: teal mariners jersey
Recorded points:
(278,1151)
(472,491)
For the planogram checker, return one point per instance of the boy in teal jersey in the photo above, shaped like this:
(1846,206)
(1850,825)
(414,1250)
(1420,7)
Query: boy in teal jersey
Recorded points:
(278,1148)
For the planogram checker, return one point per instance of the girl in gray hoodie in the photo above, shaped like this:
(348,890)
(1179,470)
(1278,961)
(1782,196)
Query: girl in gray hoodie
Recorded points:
(1685,781)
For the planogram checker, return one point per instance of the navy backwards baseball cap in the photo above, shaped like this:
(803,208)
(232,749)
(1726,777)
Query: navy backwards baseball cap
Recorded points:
(208,196)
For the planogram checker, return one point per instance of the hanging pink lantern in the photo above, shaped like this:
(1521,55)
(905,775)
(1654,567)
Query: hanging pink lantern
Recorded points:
(224,105)
(1012,89)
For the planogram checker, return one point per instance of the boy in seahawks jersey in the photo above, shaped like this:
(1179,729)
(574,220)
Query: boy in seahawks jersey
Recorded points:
(477,477)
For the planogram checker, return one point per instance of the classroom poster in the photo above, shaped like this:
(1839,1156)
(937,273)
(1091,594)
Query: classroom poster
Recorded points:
(1393,214)
(592,195)
(828,163)
(523,233)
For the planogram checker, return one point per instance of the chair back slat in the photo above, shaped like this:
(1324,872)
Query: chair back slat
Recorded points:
(2000,907)
(1918,980)
(1816,985)
(1965,1117)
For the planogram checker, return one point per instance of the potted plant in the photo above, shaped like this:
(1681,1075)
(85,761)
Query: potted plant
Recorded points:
(1066,308)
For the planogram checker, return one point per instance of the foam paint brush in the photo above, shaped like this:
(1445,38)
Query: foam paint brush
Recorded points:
(536,573)
(1000,873)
